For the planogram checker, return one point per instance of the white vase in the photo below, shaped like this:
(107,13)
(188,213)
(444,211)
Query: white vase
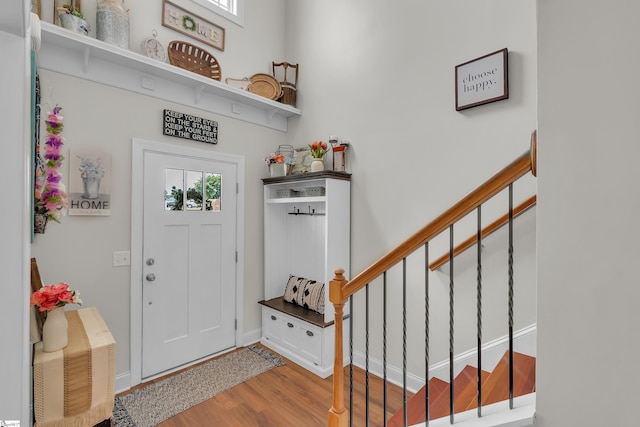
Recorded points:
(54,331)
(317,165)
(277,169)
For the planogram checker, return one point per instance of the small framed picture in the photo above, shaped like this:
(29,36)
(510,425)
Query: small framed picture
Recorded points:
(482,80)
(303,161)
(185,22)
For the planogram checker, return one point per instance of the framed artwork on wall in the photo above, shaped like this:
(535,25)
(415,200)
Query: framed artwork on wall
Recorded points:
(482,80)
(90,185)
(185,22)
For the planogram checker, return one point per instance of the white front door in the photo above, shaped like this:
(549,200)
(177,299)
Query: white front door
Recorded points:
(189,259)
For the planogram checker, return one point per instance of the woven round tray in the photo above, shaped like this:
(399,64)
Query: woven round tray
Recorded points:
(192,58)
(265,85)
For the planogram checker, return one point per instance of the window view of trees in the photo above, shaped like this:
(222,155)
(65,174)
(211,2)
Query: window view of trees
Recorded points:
(177,201)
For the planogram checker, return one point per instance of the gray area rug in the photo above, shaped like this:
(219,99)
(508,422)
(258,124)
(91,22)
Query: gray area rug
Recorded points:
(150,405)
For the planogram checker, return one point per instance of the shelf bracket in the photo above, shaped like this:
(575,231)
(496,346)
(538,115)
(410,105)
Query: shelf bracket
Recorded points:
(270,114)
(198,93)
(85,62)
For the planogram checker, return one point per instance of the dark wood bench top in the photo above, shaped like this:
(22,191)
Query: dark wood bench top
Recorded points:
(279,304)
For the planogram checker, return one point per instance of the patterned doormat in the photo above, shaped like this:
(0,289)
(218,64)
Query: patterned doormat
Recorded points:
(150,405)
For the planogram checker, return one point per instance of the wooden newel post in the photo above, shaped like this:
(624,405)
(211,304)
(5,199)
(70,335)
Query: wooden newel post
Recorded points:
(338,417)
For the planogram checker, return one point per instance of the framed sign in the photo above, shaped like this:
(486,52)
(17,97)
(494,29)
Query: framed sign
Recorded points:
(185,22)
(482,80)
(90,185)
(190,127)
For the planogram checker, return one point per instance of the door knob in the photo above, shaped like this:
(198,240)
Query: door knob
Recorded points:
(151,277)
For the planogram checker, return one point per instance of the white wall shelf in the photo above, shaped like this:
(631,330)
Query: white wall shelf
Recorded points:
(84,57)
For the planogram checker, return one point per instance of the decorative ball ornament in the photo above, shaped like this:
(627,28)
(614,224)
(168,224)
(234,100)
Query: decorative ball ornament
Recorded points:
(152,48)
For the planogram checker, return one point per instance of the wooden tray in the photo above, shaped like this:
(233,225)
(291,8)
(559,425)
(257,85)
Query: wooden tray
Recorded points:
(192,58)
(265,85)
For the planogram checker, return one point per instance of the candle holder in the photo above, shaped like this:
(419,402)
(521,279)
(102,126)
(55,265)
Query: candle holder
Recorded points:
(340,157)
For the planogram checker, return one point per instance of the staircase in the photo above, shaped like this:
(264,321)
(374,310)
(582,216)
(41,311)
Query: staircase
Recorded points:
(495,388)
(497,385)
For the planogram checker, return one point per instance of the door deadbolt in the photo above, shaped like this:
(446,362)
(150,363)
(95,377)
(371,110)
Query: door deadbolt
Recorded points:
(151,261)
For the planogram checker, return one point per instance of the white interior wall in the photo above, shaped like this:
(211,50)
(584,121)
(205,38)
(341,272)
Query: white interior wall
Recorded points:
(382,76)
(588,290)
(15,355)
(79,250)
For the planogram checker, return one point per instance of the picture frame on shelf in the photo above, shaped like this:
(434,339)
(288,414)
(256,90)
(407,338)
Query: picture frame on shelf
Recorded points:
(187,23)
(303,160)
(482,80)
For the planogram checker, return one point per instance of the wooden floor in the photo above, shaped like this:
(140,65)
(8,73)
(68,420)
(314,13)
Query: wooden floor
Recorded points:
(288,396)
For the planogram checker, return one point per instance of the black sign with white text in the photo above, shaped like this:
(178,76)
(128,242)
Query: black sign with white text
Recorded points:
(190,127)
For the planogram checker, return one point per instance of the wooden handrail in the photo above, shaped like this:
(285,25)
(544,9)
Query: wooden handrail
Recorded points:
(518,168)
(488,230)
(340,289)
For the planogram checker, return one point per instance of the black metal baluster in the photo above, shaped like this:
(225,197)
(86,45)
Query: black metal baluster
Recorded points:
(510,296)
(426,333)
(404,339)
(451,324)
(479,310)
(366,361)
(384,346)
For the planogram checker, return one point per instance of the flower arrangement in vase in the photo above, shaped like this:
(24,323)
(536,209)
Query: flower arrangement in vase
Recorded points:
(51,299)
(50,195)
(72,19)
(318,149)
(279,164)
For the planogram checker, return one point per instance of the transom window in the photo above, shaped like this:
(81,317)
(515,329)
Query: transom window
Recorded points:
(228,5)
(232,10)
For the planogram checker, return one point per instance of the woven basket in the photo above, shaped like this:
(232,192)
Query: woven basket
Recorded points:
(192,58)
(289,92)
(315,191)
(265,85)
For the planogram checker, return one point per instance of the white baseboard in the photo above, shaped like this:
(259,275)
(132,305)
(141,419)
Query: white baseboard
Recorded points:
(251,337)
(524,341)
(123,382)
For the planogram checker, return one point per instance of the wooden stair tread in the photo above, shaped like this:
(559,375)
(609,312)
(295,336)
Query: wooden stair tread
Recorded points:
(467,398)
(496,387)
(440,406)
(415,405)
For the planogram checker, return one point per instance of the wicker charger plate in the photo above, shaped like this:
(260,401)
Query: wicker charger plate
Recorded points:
(192,58)
(265,85)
